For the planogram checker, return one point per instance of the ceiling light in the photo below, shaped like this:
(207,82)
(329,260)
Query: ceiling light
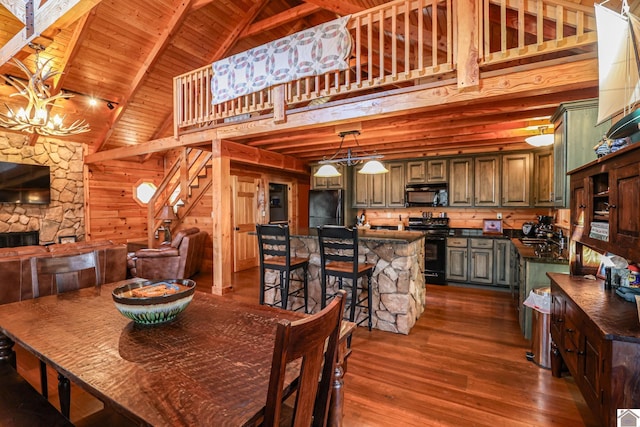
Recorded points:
(93,102)
(327,170)
(542,139)
(35,116)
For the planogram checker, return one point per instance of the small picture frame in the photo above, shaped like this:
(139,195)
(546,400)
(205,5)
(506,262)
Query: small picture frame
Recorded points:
(66,239)
(492,226)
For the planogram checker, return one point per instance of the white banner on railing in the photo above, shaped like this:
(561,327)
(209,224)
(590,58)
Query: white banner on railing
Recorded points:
(315,51)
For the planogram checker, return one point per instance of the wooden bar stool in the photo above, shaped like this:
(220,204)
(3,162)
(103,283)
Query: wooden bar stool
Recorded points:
(339,258)
(274,245)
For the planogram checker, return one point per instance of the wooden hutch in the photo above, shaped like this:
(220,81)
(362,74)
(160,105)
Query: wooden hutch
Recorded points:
(596,333)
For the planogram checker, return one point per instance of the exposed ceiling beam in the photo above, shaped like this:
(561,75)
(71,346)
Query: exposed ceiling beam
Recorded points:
(17,9)
(160,45)
(341,7)
(280,19)
(234,35)
(53,14)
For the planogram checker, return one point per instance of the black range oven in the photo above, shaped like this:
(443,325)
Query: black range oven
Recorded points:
(435,247)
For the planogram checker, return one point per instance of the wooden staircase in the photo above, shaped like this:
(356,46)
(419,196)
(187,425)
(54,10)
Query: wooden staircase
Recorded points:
(183,186)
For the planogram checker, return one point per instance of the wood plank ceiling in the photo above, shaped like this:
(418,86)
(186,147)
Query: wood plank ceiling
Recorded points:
(126,53)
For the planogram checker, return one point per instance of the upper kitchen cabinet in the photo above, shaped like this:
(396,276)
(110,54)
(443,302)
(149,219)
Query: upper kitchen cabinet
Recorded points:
(427,171)
(333,183)
(575,135)
(543,178)
(395,184)
(516,170)
(369,190)
(487,181)
(461,182)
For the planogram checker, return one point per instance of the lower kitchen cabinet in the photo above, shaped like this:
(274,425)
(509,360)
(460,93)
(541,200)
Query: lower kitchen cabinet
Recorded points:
(457,259)
(599,343)
(481,261)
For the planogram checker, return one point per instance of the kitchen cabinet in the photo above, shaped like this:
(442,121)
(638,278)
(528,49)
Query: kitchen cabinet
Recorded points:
(598,342)
(395,184)
(604,214)
(503,264)
(543,178)
(333,183)
(481,261)
(427,171)
(369,190)
(487,181)
(575,135)
(457,259)
(461,187)
(516,182)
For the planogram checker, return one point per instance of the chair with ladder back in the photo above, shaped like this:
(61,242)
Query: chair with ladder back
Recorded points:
(274,245)
(314,339)
(339,259)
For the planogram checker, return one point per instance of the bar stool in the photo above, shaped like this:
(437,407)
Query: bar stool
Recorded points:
(274,245)
(339,258)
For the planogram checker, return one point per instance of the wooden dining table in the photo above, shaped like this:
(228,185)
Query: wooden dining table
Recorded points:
(210,366)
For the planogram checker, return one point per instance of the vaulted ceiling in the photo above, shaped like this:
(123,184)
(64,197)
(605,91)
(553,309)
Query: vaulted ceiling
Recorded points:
(126,53)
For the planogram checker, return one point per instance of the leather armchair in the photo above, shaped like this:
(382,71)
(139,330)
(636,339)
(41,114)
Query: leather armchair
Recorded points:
(181,259)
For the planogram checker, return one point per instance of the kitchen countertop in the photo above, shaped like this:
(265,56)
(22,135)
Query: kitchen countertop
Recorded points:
(528,253)
(371,235)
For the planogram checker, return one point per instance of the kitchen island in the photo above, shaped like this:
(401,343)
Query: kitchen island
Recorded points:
(398,283)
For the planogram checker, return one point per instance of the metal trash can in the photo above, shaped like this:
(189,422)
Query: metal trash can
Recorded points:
(541,330)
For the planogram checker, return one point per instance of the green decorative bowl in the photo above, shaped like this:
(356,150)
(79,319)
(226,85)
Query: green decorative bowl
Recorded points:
(154,302)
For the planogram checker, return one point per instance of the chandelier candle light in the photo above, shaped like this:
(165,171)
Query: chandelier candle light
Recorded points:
(372,165)
(35,117)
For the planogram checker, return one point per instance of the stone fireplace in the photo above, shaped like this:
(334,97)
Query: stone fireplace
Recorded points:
(64,216)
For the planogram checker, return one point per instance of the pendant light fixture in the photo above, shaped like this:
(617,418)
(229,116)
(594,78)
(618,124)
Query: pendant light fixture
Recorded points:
(35,116)
(542,139)
(372,165)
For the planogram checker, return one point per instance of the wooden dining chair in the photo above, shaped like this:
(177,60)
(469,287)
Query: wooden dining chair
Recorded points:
(315,340)
(65,270)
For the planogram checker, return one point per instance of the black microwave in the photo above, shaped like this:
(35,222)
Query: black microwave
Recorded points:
(426,195)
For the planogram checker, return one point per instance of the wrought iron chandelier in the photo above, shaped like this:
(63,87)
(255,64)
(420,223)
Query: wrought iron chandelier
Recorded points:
(35,117)
(372,165)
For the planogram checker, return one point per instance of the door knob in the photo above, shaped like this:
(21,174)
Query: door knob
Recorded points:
(237,228)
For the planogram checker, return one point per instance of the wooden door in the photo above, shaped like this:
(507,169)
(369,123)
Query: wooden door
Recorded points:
(395,184)
(245,217)
(515,179)
(543,178)
(487,184)
(461,182)
(416,173)
(377,190)
(624,227)
(437,170)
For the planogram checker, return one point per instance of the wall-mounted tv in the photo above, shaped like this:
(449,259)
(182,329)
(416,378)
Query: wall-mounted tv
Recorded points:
(22,183)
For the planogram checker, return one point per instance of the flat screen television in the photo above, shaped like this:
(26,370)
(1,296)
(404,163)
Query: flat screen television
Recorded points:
(22,183)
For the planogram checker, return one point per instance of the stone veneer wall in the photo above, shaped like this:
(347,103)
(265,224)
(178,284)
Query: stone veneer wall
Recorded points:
(64,216)
(398,282)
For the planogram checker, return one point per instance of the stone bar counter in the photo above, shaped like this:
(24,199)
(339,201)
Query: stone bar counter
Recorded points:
(398,283)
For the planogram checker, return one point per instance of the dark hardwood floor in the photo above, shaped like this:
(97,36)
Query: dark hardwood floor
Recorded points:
(463,364)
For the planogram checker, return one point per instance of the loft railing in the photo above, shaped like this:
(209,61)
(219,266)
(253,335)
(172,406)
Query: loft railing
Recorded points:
(402,44)
(182,187)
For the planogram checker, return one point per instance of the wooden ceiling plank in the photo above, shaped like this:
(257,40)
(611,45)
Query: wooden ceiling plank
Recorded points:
(280,19)
(234,35)
(79,33)
(152,58)
(53,14)
(341,7)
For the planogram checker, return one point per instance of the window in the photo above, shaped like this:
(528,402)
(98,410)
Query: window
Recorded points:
(143,191)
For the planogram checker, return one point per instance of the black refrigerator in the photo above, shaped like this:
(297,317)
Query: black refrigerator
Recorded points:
(326,207)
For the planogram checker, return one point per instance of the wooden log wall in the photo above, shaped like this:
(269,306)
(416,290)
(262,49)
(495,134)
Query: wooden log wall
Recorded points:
(460,217)
(113,212)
